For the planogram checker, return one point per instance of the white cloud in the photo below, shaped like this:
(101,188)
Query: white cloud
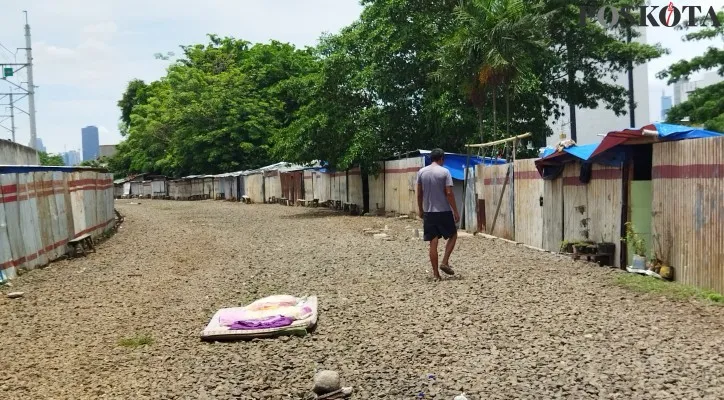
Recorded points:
(107,27)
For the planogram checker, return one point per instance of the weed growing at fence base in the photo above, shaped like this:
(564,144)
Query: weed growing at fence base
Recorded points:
(136,341)
(673,290)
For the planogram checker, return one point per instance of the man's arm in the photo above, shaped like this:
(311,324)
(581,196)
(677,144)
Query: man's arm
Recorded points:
(451,197)
(419,196)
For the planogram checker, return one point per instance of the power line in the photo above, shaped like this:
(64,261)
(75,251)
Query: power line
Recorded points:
(17,91)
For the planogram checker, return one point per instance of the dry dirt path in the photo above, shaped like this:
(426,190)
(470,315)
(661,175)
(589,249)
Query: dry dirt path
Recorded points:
(517,324)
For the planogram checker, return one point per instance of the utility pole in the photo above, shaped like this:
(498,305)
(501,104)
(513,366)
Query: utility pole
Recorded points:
(8,70)
(31,88)
(629,69)
(12,117)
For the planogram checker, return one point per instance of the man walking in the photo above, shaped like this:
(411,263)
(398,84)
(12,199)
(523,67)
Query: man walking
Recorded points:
(436,205)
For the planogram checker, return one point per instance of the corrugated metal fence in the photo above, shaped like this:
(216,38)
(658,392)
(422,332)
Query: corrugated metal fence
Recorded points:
(688,209)
(42,208)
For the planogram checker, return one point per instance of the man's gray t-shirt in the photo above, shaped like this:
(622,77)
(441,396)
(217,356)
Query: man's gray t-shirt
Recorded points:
(434,178)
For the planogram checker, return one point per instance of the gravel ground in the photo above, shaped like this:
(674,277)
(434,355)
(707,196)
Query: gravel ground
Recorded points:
(515,324)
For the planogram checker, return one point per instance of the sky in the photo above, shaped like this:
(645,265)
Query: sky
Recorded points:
(86,51)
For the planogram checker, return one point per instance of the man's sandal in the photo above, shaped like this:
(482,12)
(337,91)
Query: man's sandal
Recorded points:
(446,269)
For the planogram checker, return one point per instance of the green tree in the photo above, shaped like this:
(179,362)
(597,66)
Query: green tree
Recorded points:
(582,61)
(50,159)
(705,106)
(216,110)
(491,51)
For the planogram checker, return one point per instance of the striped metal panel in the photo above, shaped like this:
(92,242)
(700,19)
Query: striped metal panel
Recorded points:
(528,186)
(688,209)
(41,211)
(592,211)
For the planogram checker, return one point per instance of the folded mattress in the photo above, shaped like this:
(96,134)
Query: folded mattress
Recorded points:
(268,317)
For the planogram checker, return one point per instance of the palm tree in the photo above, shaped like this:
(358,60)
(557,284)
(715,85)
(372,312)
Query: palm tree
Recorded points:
(493,48)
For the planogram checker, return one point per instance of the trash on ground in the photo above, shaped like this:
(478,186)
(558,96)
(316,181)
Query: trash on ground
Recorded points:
(15,295)
(646,272)
(278,315)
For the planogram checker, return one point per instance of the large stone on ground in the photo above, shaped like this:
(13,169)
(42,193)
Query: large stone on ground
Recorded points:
(326,382)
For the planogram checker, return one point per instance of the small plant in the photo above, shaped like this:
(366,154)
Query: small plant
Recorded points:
(136,341)
(635,240)
(672,290)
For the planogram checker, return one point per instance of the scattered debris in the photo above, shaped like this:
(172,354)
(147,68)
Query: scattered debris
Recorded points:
(643,272)
(15,295)
(461,396)
(383,236)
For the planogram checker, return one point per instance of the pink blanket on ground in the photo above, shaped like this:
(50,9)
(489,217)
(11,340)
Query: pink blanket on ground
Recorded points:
(264,309)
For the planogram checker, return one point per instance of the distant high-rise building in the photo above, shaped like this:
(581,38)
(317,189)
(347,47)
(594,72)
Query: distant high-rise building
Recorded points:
(91,145)
(39,145)
(666,103)
(592,122)
(71,158)
(107,150)
(684,87)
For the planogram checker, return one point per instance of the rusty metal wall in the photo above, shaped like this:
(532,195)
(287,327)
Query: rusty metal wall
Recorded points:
(291,185)
(528,186)
(494,178)
(40,211)
(688,209)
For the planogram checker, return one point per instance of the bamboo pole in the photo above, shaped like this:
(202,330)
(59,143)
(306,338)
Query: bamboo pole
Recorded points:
(523,136)
(465,188)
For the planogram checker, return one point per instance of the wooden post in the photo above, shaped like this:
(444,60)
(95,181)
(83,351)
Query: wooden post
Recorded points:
(465,188)
(512,187)
(500,200)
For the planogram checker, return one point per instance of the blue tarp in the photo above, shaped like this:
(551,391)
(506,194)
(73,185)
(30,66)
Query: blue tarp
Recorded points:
(679,132)
(613,150)
(455,162)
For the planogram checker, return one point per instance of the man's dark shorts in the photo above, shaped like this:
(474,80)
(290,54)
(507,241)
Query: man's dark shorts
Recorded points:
(437,225)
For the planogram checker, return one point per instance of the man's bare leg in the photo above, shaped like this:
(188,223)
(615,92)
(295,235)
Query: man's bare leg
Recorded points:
(433,258)
(449,247)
